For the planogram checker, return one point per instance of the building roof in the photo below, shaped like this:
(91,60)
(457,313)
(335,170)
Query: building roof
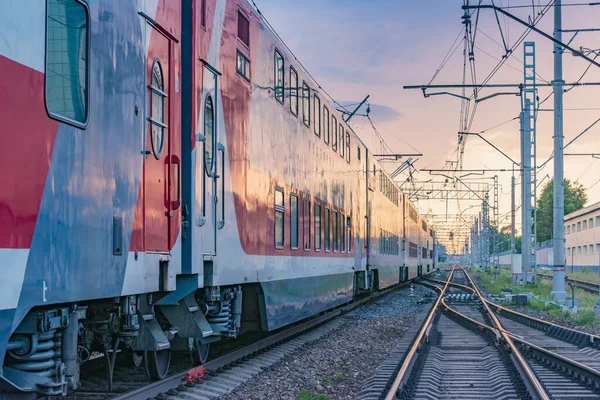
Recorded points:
(583,211)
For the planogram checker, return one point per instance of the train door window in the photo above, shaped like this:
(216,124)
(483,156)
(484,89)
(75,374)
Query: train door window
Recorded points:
(334,128)
(327,229)
(326,133)
(317,227)
(294,221)
(343,233)
(347,146)
(341,142)
(209,133)
(279,218)
(349,230)
(306,223)
(305,104)
(279,76)
(66,84)
(381,245)
(203,13)
(293,91)
(243,66)
(335,231)
(157,109)
(243,29)
(317,116)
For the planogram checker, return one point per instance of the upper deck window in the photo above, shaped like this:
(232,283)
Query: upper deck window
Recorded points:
(305,104)
(317,116)
(66,85)
(243,29)
(293,91)
(347,146)
(334,129)
(326,133)
(279,76)
(341,141)
(243,66)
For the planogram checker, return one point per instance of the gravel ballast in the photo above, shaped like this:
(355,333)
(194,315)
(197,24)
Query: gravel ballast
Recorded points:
(337,364)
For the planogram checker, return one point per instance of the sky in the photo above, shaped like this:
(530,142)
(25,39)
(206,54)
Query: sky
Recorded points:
(354,48)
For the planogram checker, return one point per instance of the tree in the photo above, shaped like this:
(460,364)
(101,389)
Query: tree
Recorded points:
(575,198)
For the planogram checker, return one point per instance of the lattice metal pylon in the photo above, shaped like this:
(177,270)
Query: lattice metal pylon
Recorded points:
(485,234)
(528,160)
(495,255)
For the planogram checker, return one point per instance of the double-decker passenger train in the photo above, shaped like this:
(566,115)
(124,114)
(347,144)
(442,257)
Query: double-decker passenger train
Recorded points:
(172,176)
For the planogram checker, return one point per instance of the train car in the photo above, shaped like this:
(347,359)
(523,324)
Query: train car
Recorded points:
(173,176)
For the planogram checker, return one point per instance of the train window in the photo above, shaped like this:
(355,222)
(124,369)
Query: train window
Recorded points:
(358,153)
(66,84)
(203,13)
(335,231)
(209,133)
(349,230)
(343,233)
(279,218)
(243,66)
(326,133)
(317,116)
(243,28)
(341,142)
(157,109)
(294,221)
(413,251)
(326,228)
(334,128)
(347,146)
(306,223)
(293,91)
(317,227)
(279,76)
(305,104)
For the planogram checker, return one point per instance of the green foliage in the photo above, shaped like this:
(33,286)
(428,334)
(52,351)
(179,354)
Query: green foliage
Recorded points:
(575,198)
(311,395)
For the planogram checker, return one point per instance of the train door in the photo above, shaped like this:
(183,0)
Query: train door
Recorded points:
(159,165)
(212,154)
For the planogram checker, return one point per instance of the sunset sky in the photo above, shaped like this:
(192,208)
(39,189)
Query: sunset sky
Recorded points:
(354,48)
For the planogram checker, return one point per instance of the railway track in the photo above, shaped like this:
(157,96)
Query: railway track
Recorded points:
(469,347)
(230,369)
(591,287)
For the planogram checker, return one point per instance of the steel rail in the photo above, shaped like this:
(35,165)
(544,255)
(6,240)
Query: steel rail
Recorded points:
(588,286)
(536,386)
(410,357)
(173,382)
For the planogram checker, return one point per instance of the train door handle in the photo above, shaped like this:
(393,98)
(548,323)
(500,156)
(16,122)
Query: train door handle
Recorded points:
(175,160)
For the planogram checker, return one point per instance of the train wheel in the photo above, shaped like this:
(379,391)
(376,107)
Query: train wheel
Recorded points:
(157,364)
(200,352)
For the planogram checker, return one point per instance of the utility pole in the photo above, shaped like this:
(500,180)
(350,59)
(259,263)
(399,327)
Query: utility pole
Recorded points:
(558,237)
(512,231)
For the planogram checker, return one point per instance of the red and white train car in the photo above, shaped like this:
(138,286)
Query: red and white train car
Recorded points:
(173,176)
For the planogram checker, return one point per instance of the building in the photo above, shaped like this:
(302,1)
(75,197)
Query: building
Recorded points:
(582,234)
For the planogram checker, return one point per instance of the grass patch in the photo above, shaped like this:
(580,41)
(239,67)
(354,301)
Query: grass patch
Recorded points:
(306,394)
(586,301)
(584,275)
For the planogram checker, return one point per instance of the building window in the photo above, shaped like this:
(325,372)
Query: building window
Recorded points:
(584,225)
(568,229)
(591,248)
(578,226)
(279,76)
(305,104)
(243,29)
(591,223)
(597,221)
(341,142)
(347,146)
(568,251)
(317,116)
(306,223)
(243,66)
(334,133)
(293,91)
(279,218)
(326,228)
(597,246)
(584,249)
(317,227)
(343,233)
(326,133)
(294,221)
(335,231)
(66,84)
(578,249)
